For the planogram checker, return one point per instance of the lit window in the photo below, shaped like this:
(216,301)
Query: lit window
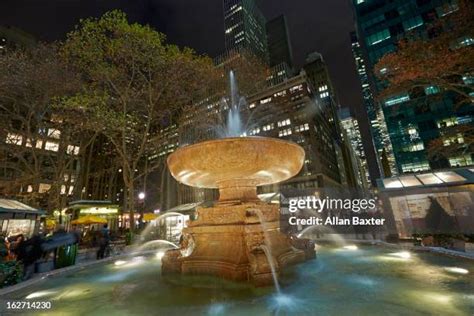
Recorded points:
(466,41)
(254,131)
(296,88)
(52,146)
(413,133)
(284,123)
(447,8)
(397,100)
(378,37)
(468,79)
(268,127)
(280,94)
(432,90)
(416,166)
(73,150)
(459,161)
(285,132)
(44,187)
(265,100)
(14,139)
(28,143)
(415,147)
(412,23)
(457,139)
(54,133)
(302,128)
(451,121)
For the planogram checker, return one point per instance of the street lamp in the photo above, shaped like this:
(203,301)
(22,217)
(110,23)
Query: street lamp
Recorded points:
(141,197)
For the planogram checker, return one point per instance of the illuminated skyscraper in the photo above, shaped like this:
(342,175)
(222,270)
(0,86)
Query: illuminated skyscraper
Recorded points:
(244,26)
(378,127)
(351,127)
(418,117)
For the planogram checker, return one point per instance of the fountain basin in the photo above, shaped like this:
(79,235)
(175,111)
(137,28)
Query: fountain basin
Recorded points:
(340,282)
(236,166)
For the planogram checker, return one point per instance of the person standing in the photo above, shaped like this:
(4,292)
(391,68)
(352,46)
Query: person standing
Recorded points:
(104,240)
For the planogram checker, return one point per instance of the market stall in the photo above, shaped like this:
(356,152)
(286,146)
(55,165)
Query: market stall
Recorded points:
(17,218)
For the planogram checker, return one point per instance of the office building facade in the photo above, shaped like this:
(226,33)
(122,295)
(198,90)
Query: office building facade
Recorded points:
(418,118)
(378,127)
(244,26)
(350,126)
(279,50)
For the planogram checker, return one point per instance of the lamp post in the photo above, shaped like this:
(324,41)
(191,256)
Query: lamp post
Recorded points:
(141,197)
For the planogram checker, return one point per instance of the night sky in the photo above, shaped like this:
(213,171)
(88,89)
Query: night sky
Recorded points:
(314,25)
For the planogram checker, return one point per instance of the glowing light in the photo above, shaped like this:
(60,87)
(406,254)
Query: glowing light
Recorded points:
(99,210)
(457,270)
(136,261)
(440,298)
(141,195)
(217,309)
(401,254)
(72,293)
(40,294)
(120,262)
(351,247)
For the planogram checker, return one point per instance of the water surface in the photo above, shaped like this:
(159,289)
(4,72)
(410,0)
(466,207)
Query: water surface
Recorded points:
(341,281)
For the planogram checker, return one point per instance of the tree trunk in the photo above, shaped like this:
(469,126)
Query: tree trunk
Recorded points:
(131,203)
(129,193)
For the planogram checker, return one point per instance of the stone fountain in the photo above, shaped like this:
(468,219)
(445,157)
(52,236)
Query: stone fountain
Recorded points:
(239,237)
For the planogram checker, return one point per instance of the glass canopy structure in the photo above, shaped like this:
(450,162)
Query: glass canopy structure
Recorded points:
(439,178)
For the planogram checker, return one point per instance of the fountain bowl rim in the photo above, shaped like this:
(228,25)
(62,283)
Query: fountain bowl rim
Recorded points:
(232,139)
(243,138)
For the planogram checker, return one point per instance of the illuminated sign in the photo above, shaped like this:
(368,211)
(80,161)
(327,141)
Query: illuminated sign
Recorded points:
(99,210)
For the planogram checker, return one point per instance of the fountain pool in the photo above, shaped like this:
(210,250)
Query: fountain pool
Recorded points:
(364,280)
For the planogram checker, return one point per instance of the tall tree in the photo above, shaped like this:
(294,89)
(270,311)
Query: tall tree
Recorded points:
(136,84)
(440,59)
(39,144)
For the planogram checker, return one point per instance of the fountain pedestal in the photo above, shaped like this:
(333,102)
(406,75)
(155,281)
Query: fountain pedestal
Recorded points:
(226,241)
(239,238)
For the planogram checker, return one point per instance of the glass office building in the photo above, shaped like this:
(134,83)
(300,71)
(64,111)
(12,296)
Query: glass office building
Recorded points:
(414,119)
(245,27)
